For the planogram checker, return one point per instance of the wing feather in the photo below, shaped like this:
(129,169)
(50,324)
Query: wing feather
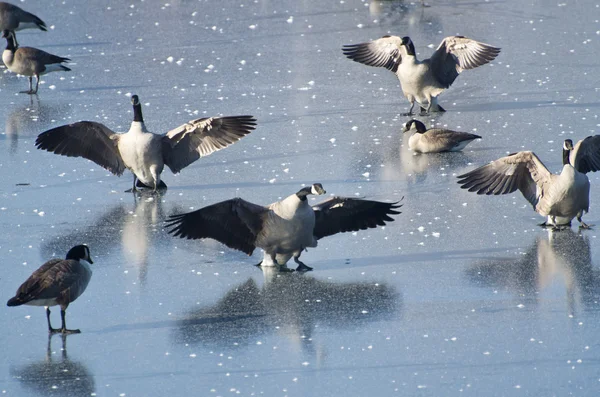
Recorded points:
(458,53)
(522,170)
(235,223)
(344,214)
(201,137)
(585,156)
(87,139)
(383,52)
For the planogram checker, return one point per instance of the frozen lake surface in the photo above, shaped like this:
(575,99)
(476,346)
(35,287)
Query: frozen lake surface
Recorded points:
(461,295)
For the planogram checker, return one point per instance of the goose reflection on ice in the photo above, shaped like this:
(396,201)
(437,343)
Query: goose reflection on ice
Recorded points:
(563,256)
(56,377)
(136,230)
(30,119)
(292,304)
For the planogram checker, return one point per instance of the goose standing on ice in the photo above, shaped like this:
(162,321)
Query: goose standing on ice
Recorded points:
(15,18)
(423,81)
(436,140)
(29,61)
(142,152)
(560,197)
(282,229)
(57,282)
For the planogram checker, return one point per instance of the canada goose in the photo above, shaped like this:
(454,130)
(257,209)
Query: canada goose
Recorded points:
(29,61)
(559,197)
(423,81)
(436,140)
(57,282)
(144,153)
(282,229)
(15,18)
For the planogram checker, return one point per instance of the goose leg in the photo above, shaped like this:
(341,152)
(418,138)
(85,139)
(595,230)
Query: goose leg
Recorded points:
(50,329)
(64,329)
(37,83)
(412,105)
(30,91)
(133,189)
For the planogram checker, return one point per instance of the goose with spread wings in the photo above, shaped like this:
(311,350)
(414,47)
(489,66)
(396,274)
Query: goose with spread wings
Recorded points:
(423,81)
(560,197)
(142,152)
(282,229)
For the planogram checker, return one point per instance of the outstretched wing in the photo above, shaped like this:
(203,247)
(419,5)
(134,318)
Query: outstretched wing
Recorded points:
(345,214)
(198,138)
(383,52)
(585,156)
(458,53)
(235,223)
(522,170)
(87,139)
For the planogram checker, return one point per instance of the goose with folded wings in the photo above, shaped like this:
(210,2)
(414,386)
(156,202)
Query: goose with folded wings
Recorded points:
(423,81)
(560,197)
(282,229)
(142,152)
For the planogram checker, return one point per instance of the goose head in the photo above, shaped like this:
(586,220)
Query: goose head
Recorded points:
(415,125)
(80,252)
(408,45)
(315,188)
(567,147)
(11,40)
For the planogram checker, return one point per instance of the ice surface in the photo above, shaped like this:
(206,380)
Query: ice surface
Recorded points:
(461,294)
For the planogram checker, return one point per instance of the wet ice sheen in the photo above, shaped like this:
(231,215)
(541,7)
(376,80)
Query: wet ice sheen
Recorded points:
(479,301)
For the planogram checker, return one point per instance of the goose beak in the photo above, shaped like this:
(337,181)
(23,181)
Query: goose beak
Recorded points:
(90,260)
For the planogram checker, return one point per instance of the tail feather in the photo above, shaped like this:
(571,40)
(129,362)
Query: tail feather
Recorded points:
(40,24)
(15,301)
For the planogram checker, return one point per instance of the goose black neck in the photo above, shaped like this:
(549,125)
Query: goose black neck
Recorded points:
(137,112)
(10,44)
(302,193)
(566,153)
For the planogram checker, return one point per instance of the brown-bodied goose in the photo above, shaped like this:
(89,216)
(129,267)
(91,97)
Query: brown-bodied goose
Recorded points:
(560,197)
(423,81)
(15,18)
(436,140)
(57,282)
(29,61)
(282,229)
(142,152)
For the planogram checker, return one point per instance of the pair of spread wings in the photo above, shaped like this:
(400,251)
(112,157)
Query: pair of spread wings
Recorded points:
(526,172)
(453,55)
(180,146)
(56,279)
(237,222)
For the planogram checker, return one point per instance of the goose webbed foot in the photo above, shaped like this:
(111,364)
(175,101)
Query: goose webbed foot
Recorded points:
(30,92)
(64,331)
(301,266)
(584,225)
(424,112)
(558,228)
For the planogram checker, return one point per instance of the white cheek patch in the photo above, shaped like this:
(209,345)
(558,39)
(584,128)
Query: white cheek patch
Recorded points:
(313,190)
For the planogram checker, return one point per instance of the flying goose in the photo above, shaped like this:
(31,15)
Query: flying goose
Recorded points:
(29,61)
(435,140)
(423,81)
(282,229)
(57,282)
(145,153)
(15,18)
(559,197)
